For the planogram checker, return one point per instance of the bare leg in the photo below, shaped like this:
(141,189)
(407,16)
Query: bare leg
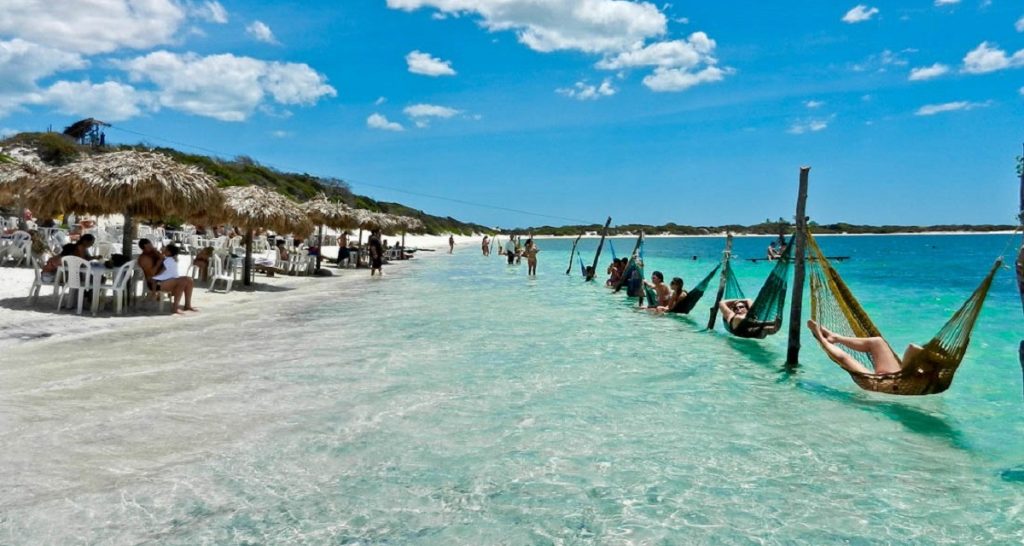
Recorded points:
(841,357)
(881,355)
(189,285)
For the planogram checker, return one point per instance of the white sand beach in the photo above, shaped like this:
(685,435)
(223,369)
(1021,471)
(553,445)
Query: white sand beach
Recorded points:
(21,322)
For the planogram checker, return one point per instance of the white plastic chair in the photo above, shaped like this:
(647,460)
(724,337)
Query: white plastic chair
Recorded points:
(140,276)
(39,283)
(120,287)
(75,276)
(222,274)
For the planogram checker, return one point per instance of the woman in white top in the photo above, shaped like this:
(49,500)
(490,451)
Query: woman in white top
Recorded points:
(168,280)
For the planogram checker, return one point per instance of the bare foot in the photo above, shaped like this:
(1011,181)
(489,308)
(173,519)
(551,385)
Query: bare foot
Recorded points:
(190,308)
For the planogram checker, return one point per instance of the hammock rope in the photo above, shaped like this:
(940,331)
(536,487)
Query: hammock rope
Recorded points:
(765,316)
(928,371)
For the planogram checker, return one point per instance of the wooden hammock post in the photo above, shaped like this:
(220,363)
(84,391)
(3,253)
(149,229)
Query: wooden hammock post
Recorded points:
(797,303)
(247,266)
(604,233)
(572,253)
(1020,258)
(721,281)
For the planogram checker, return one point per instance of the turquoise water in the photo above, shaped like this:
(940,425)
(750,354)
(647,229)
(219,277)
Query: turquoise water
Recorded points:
(459,402)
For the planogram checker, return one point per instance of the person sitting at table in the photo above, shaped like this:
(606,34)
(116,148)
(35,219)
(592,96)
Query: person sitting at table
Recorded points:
(83,245)
(202,262)
(149,261)
(168,280)
(49,270)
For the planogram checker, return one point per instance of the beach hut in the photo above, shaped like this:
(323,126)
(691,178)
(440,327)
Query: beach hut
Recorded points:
(324,212)
(252,207)
(132,183)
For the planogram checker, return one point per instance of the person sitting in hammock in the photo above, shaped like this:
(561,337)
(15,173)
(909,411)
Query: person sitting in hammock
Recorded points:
(677,295)
(882,357)
(661,290)
(735,312)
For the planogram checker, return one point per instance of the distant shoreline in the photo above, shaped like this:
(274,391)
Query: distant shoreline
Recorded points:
(761,235)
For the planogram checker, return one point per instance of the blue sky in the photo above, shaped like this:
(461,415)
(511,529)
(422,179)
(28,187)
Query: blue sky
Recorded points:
(694,113)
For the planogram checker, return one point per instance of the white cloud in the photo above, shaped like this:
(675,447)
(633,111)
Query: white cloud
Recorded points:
(22,65)
(679,64)
(96,26)
(378,121)
(261,32)
(225,87)
(946,2)
(1019,25)
(989,58)
(809,126)
(109,101)
(932,109)
(423,64)
(882,61)
(859,14)
(211,12)
(586,91)
(380,101)
(421,114)
(812,104)
(594,26)
(1021,91)
(280,134)
(7,131)
(680,79)
(928,72)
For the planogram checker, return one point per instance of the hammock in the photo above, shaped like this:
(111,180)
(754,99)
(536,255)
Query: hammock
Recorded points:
(929,371)
(583,268)
(765,316)
(691,298)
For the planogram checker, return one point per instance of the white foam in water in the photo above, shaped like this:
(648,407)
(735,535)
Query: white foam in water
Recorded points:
(461,403)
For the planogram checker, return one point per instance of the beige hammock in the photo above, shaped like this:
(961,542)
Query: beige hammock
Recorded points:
(928,371)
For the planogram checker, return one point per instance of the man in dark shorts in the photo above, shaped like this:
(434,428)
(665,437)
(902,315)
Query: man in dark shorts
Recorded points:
(376,253)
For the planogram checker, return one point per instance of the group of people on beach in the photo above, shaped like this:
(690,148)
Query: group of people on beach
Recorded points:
(515,250)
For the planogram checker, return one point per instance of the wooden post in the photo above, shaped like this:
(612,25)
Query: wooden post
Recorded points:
(799,267)
(1020,258)
(126,237)
(247,266)
(726,256)
(604,233)
(320,247)
(572,253)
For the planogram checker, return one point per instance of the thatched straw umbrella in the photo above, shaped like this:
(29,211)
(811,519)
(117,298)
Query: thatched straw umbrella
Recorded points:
(130,182)
(14,177)
(407,224)
(324,212)
(251,207)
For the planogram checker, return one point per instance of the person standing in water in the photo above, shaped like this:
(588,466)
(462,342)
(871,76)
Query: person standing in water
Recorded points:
(451,243)
(510,249)
(531,258)
(376,253)
(485,246)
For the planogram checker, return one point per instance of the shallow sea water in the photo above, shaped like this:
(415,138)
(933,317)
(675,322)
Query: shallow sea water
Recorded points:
(459,402)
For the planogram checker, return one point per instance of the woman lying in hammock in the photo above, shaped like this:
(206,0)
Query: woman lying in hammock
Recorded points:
(882,357)
(735,312)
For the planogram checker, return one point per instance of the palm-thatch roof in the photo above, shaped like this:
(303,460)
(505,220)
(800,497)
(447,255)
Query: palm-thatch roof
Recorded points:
(13,175)
(253,207)
(140,183)
(323,211)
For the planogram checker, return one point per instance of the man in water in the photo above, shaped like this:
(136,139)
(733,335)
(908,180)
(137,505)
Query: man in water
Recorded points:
(376,253)
(663,292)
(451,243)
(485,246)
(510,249)
(531,257)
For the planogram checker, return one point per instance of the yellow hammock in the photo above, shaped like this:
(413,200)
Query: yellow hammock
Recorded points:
(928,371)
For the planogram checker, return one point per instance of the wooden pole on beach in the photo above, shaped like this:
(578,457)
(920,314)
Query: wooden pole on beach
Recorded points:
(726,256)
(604,233)
(247,266)
(1020,256)
(572,253)
(799,268)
